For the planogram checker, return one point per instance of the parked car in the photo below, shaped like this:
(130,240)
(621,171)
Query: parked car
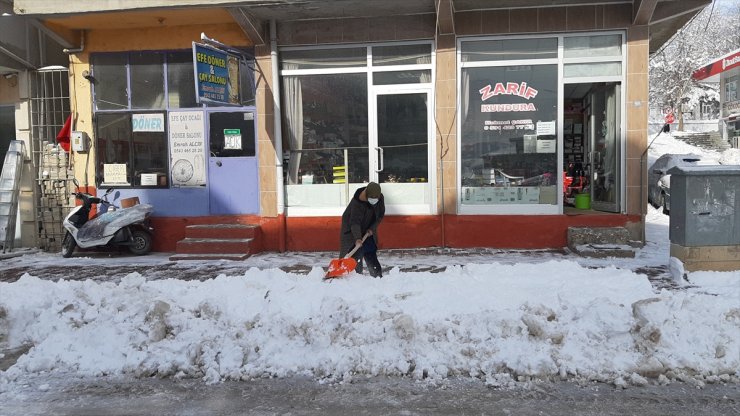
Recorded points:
(659,180)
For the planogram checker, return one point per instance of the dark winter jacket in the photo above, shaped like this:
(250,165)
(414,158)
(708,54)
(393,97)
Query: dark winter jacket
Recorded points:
(359,217)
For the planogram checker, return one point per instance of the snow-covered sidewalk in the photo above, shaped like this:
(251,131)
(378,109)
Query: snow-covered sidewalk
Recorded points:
(553,317)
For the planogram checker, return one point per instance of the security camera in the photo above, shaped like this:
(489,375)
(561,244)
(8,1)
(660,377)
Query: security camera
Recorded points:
(86,74)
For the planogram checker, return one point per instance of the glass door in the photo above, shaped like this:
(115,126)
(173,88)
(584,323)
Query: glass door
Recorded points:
(401,156)
(605,148)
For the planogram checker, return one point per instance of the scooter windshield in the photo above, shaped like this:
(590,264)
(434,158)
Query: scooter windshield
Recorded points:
(107,224)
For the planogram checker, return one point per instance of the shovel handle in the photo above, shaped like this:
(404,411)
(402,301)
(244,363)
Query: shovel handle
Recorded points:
(357,246)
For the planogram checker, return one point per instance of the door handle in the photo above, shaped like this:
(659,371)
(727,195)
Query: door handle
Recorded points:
(218,163)
(380,159)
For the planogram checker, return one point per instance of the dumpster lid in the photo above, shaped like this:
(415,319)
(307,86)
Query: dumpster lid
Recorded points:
(705,170)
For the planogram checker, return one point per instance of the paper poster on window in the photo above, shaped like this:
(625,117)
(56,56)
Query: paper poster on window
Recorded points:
(187,148)
(147,122)
(232,139)
(115,173)
(148,179)
(546,128)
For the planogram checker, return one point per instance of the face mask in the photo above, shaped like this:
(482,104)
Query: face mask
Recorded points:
(373,201)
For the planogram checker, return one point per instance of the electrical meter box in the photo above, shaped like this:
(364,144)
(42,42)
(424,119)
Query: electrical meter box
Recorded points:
(80,141)
(704,205)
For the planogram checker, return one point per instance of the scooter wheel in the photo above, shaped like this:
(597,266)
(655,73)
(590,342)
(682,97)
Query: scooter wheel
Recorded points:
(141,244)
(68,245)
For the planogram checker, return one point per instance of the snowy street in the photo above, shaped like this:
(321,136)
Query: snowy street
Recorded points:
(502,325)
(445,331)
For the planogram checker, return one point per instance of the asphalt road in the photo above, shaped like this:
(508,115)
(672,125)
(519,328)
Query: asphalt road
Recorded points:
(376,396)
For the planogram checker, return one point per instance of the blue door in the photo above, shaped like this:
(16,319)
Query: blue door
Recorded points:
(233,181)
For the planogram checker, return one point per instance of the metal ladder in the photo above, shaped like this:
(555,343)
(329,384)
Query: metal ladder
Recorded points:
(10,180)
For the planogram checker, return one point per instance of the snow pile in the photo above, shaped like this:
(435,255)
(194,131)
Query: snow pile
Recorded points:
(730,157)
(490,321)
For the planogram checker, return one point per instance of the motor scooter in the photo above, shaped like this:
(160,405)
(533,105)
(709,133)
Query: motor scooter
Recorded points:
(111,226)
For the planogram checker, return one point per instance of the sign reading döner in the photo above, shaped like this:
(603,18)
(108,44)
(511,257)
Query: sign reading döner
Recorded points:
(509,88)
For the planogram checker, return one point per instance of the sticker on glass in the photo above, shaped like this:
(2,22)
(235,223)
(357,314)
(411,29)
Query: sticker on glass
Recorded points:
(232,139)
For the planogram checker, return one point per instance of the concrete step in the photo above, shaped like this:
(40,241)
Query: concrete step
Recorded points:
(214,246)
(604,250)
(221,231)
(601,242)
(707,140)
(220,256)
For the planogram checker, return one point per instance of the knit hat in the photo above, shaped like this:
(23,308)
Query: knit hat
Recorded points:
(372,190)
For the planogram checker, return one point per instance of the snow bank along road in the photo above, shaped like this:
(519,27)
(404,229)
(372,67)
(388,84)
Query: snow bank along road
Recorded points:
(494,322)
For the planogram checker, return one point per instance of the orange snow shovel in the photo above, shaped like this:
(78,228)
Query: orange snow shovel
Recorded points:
(345,265)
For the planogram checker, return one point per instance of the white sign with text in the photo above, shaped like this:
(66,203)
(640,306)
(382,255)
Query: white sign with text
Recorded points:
(187,148)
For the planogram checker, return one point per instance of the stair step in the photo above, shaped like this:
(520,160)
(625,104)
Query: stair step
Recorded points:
(221,231)
(214,246)
(604,250)
(598,235)
(214,256)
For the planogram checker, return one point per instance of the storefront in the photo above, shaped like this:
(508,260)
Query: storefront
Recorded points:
(726,71)
(153,139)
(530,107)
(358,114)
(481,122)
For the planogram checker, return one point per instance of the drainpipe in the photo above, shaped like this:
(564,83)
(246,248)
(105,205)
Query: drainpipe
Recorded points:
(278,128)
(665,129)
(82,45)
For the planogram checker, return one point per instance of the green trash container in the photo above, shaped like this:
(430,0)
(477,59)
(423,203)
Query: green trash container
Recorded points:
(583,201)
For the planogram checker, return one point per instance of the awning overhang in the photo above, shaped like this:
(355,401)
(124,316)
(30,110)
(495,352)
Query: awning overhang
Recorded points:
(664,17)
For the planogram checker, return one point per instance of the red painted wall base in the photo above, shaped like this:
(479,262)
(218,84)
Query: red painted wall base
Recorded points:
(460,231)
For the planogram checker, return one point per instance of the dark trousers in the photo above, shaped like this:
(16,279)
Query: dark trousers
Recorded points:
(368,252)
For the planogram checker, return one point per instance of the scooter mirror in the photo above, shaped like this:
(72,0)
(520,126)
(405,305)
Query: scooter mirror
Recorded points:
(666,128)
(116,195)
(109,190)
(74,181)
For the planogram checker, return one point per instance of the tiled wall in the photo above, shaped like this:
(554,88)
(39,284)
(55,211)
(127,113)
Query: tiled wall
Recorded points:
(265,132)
(356,30)
(637,116)
(546,19)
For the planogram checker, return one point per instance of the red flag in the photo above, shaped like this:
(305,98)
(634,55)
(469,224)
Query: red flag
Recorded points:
(63,136)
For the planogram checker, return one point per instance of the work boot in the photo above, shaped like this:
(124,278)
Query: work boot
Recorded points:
(373,265)
(375,272)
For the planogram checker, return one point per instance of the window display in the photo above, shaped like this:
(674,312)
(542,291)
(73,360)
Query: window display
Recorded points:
(509,135)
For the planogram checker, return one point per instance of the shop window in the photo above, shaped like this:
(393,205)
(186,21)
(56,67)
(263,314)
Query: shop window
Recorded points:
(324,115)
(402,77)
(132,93)
(323,58)
(143,75)
(180,82)
(110,82)
(147,80)
(509,140)
(131,149)
(731,89)
(510,49)
(593,46)
(598,69)
(402,55)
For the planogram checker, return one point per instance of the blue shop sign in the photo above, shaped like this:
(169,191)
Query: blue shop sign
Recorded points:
(216,75)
